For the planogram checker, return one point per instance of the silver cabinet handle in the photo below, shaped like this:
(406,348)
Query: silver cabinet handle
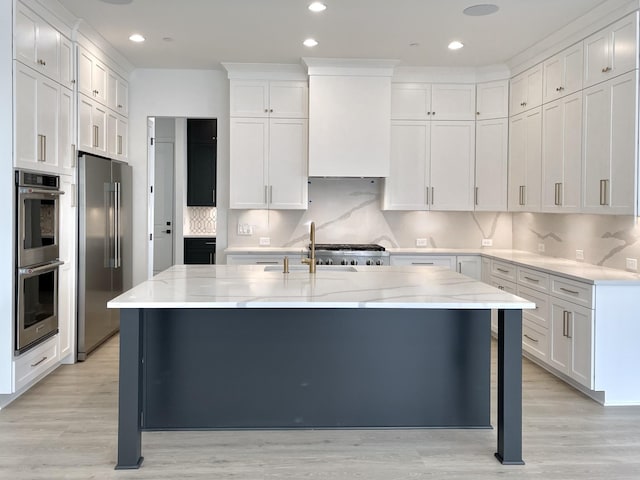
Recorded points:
(96,133)
(459,267)
(558,194)
(604,192)
(40,154)
(427,196)
(606,69)
(566,290)
(502,270)
(535,280)
(531,338)
(266,263)
(39,362)
(564,323)
(523,194)
(476,196)
(213,195)
(265,194)
(270,193)
(433,195)
(422,263)
(569,315)
(74,155)
(209,243)
(210,258)
(44,148)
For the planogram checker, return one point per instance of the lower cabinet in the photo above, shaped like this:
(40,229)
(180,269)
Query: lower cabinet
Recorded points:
(199,251)
(448,261)
(34,363)
(469,265)
(264,259)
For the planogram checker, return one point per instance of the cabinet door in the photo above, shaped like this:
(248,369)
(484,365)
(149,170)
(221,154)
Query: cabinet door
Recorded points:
(47,48)
(112,90)
(122,140)
(26,116)
(99,119)
(288,181)
(288,99)
(526,90)
(249,149)
(66,152)
(122,97)
(491,165)
(525,152)
(86,139)
(66,63)
(85,67)
(410,101)
(453,102)
(66,279)
(452,165)
(469,265)
(99,81)
(112,134)
(249,98)
(561,154)
(562,73)
(37,43)
(25,35)
(406,186)
(48,107)
(559,342)
(492,100)
(610,146)
(581,347)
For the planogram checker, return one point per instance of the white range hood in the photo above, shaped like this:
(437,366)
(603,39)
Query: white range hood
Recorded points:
(349,117)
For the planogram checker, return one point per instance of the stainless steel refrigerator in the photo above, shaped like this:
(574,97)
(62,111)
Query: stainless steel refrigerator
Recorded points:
(104,247)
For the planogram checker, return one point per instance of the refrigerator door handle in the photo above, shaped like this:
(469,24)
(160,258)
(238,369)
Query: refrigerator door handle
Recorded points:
(108,225)
(118,225)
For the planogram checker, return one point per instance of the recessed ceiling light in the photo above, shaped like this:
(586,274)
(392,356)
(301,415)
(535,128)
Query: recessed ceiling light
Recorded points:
(310,42)
(481,10)
(456,45)
(317,7)
(136,37)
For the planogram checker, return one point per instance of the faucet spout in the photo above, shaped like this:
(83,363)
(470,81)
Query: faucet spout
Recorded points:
(312,253)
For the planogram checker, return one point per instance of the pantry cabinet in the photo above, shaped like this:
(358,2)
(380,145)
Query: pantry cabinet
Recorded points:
(92,126)
(611,51)
(562,73)
(268,163)
(562,154)
(610,140)
(492,138)
(525,155)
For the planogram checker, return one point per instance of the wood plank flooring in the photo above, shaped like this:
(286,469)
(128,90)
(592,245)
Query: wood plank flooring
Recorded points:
(65,428)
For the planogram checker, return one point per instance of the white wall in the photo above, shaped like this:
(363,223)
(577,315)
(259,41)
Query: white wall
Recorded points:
(174,93)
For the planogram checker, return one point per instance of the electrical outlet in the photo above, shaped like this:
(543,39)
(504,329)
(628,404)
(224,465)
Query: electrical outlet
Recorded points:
(245,229)
(632,264)
(579,254)
(265,241)
(421,242)
(541,247)
(487,242)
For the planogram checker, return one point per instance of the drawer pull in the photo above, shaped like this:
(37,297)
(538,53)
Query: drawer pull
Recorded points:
(39,362)
(572,292)
(209,243)
(267,263)
(535,280)
(502,270)
(422,263)
(532,339)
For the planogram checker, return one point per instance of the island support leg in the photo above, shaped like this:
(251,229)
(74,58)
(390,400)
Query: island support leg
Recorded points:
(130,394)
(510,387)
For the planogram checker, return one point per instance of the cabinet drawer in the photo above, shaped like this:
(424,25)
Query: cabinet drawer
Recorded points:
(535,340)
(502,284)
(541,313)
(273,259)
(533,279)
(200,243)
(573,291)
(503,270)
(28,366)
(424,260)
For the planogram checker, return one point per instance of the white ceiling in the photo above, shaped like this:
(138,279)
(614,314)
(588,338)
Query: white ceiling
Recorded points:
(207,32)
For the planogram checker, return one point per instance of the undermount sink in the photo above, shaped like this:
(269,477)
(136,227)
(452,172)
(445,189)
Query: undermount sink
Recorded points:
(305,268)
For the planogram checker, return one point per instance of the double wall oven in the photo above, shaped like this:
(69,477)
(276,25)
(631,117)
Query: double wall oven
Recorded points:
(37,257)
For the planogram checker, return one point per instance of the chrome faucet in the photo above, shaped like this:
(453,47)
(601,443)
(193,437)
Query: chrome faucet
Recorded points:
(312,254)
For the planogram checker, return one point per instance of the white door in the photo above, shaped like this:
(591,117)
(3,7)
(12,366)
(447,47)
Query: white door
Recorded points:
(288,185)
(491,165)
(163,223)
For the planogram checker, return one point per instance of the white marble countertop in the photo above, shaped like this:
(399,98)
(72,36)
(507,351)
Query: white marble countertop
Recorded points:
(257,286)
(580,271)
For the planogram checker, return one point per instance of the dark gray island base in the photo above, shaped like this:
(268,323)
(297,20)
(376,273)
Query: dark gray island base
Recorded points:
(272,368)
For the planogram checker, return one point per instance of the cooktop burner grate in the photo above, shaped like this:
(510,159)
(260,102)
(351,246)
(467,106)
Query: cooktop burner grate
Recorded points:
(349,247)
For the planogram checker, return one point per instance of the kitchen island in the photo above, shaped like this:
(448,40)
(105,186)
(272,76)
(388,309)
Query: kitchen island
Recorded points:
(249,347)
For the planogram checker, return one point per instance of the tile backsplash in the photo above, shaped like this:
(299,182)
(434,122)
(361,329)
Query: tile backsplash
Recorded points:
(200,220)
(348,210)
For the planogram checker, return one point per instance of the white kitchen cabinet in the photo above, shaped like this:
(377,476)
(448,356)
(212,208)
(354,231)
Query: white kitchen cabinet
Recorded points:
(572,340)
(67,68)
(540,315)
(491,174)
(562,73)
(264,259)
(422,101)
(92,76)
(526,90)
(92,126)
(492,100)
(66,131)
(425,260)
(562,154)
(452,165)
(117,93)
(432,166)
(611,51)
(35,363)
(469,265)
(268,163)
(269,98)
(37,112)
(410,101)
(116,132)
(610,146)
(66,272)
(37,43)
(525,154)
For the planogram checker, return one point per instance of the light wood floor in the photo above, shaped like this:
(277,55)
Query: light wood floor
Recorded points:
(65,428)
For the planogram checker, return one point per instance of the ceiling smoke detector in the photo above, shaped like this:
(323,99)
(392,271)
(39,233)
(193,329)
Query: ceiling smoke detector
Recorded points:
(481,10)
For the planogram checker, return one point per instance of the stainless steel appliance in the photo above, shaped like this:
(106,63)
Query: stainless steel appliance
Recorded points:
(104,247)
(37,251)
(351,254)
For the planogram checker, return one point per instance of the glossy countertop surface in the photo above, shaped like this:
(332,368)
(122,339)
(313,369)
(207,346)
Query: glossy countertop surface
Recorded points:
(257,286)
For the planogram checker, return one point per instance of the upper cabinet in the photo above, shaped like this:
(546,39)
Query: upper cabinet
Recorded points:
(492,100)
(117,93)
(526,91)
(525,144)
(492,137)
(37,43)
(265,98)
(423,101)
(612,51)
(92,76)
(562,73)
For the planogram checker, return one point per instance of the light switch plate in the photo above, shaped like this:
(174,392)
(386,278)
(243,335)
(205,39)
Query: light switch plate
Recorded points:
(632,264)
(245,229)
(487,242)
(421,242)
(265,241)
(579,254)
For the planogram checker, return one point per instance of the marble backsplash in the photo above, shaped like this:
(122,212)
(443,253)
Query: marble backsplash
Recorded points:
(606,240)
(200,221)
(348,210)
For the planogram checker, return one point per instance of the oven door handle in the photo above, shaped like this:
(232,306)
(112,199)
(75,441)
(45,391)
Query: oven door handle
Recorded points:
(40,191)
(30,271)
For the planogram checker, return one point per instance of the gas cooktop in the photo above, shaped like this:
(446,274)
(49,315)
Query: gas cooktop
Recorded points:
(349,247)
(350,254)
